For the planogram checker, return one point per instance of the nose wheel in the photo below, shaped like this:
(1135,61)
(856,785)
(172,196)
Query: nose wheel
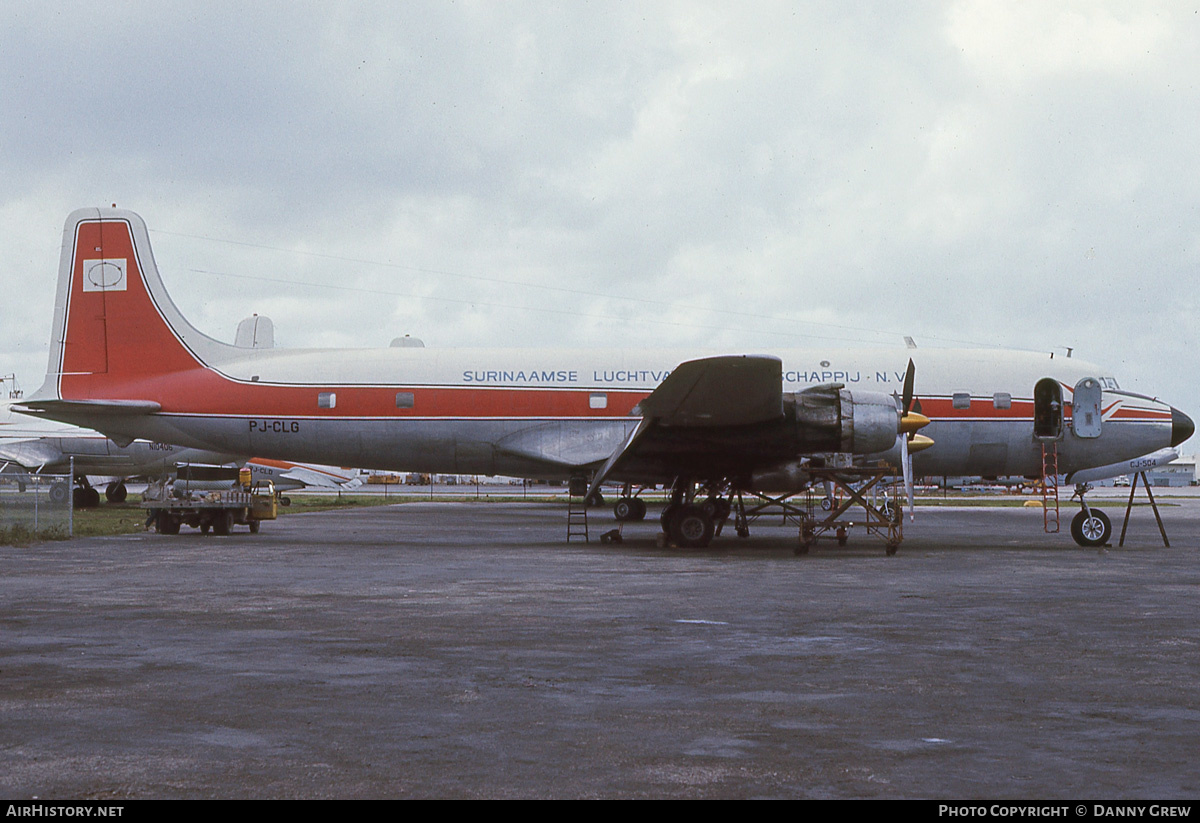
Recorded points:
(1091,527)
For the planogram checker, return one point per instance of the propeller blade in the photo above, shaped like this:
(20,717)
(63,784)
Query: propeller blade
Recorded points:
(906,463)
(909,375)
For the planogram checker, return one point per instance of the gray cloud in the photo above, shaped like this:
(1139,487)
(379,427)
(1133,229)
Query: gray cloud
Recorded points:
(648,174)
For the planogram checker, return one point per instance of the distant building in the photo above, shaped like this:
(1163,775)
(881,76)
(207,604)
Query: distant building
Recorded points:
(1180,472)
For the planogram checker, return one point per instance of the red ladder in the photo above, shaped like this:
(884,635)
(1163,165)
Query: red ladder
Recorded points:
(1050,487)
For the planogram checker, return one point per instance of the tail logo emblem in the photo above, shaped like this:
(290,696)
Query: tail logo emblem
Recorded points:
(104,275)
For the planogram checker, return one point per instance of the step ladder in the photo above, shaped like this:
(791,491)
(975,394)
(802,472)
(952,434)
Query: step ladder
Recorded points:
(1050,521)
(577,525)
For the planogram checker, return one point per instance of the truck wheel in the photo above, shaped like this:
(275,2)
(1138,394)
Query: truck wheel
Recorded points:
(167,523)
(254,525)
(222,522)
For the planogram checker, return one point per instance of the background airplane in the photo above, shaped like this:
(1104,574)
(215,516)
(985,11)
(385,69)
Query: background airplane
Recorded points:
(32,446)
(36,446)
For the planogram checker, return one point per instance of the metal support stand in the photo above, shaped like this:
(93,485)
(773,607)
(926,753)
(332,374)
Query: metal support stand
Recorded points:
(857,487)
(1153,505)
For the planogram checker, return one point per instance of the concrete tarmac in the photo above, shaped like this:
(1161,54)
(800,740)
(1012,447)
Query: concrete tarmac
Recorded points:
(466,650)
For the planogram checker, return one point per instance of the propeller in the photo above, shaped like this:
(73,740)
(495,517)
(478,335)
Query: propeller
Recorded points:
(910,423)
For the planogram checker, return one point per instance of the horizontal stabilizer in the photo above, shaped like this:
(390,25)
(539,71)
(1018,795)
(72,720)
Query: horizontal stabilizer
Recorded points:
(123,407)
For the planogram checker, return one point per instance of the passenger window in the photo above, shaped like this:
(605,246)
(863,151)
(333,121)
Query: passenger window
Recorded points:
(961,400)
(405,400)
(598,400)
(327,400)
(1002,400)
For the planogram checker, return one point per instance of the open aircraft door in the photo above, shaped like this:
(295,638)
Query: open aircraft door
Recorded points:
(1047,410)
(1085,408)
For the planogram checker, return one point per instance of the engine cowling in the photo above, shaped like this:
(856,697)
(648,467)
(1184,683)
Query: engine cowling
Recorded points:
(836,419)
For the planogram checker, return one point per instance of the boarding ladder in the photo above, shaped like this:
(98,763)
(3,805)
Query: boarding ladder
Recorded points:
(1050,487)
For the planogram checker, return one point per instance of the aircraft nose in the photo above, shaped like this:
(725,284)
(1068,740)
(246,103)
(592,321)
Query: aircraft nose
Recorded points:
(1182,426)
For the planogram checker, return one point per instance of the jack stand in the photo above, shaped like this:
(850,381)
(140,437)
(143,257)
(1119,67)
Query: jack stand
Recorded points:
(882,520)
(1128,506)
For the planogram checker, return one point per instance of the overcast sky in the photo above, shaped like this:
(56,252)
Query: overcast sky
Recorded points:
(744,176)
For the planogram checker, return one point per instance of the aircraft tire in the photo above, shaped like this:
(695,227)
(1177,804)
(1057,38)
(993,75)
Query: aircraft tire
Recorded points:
(85,497)
(116,493)
(629,508)
(59,492)
(624,509)
(665,518)
(639,509)
(691,527)
(1093,530)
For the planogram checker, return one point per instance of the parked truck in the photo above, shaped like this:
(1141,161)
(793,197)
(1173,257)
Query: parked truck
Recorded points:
(175,504)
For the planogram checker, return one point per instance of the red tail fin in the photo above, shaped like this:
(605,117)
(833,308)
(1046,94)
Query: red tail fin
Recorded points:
(115,330)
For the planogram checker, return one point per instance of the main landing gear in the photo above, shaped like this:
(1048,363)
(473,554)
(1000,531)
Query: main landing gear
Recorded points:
(629,507)
(84,496)
(116,492)
(87,496)
(694,514)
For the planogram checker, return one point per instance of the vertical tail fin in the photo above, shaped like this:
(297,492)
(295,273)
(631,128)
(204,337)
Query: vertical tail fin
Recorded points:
(115,329)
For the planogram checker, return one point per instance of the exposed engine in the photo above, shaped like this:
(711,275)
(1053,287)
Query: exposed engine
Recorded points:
(835,419)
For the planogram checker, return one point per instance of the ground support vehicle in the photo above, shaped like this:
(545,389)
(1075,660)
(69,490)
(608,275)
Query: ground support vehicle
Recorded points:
(215,511)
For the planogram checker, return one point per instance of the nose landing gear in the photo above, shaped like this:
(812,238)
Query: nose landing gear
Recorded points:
(1091,527)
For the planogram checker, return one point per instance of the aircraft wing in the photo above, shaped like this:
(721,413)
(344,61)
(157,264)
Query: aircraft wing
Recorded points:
(32,455)
(729,390)
(308,477)
(723,391)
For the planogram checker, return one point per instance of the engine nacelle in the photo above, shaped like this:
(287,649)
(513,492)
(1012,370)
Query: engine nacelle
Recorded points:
(836,419)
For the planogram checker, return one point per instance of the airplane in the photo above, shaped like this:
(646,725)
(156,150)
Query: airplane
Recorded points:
(287,476)
(29,447)
(283,475)
(125,361)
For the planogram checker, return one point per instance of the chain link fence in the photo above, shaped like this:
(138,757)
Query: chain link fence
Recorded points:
(35,505)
